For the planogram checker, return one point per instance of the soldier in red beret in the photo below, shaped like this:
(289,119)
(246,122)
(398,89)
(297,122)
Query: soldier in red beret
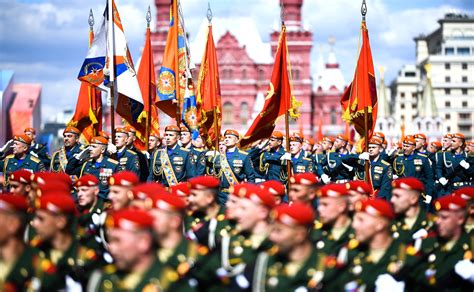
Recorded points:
(131,246)
(120,184)
(303,187)
(358,190)
(276,188)
(467,193)
(20,182)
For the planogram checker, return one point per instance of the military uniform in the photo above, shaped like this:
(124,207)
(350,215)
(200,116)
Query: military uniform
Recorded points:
(208,231)
(330,240)
(171,166)
(340,167)
(299,164)
(143,164)
(403,229)
(19,274)
(128,160)
(381,177)
(449,167)
(270,164)
(198,159)
(42,152)
(415,165)
(61,157)
(12,163)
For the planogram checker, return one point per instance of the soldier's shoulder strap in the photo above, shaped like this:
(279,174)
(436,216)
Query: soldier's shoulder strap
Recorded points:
(131,152)
(185,149)
(422,155)
(35,159)
(307,159)
(10,156)
(243,152)
(113,161)
(385,163)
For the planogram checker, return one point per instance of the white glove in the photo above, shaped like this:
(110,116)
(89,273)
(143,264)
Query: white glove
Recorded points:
(111,148)
(262,144)
(465,269)
(422,233)
(6,146)
(394,176)
(325,178)
(82,155)
(364,156)
(391,151)
(464,164)
(211,153)
(286,156)
(443,181)
(386,280)
(427,199)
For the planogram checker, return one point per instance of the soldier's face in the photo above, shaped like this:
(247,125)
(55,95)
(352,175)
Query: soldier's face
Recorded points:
(470,148)
(96,150)
(286,237)
(355,197)
(171,138)
(408,148)
(367,226)
(222,147)
(164,222)
(248,214)
(152,142)
(339,143)
(326,145)
(120,140)
(70,139)
(307,146)
(198,143)
(127,247)
(199,200)
(301,193)
(456,143)
(230,141)
(446,143)
(329,209)
(432,149)
(19,147)
(119,197)
(87,196)
(31,135)
(185,138)
(131,138)
(9,226)
(295,147)
(318,148)
(374,150)
(231,206)
(420,143)
(274,143)
(19,188)
(46,224)
(402,200)
(448,223)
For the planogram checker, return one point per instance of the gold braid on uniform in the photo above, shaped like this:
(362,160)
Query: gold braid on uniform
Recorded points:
(263,167)
(51,167)
(160,171)
(398,171)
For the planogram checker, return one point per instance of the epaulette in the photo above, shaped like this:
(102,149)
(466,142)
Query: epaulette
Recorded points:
(131,151)
(198,150)
(353,243)
(243,152)
(113,161)
(35,159)
(82,146)
(10,156)
(307,159)
(422,155)
(34,154)
(185,149)
(385,162)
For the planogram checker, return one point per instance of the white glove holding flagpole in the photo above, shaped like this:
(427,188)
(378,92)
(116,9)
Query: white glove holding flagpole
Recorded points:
(111,148)
(364,156)
(464,164)
(286,156)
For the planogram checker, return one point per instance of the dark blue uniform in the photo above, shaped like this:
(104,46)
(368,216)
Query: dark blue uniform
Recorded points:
(180,162)
(128,160)
(381,175)
(42,152)
(198,159)
(449,167)
(143,164)
(340,167)
(268,162)
(61,157)
(11,163)
(415,165)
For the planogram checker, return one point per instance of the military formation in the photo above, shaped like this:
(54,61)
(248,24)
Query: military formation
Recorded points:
(109,216)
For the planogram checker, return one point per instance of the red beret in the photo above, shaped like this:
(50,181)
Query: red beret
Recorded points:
(436,144)
(376,207)
(274,187)
(87,180)
(23,139)
(467,193)
(342,137)
(360,186)
(99,140)
(310,141)
(124,178)
(379,135)
(172,128)
(56,203)
(409,140)
(181,189)
(450,203)
(329,139)
(261,197)
(333,191)
(295,214)
(21,176)
(241,189)
(459,136)
(42,178)
(184,129)
(408,183)
(29,129)
(277,135)
(130,129)
(376,141)
(13,203)
(167,202)
(147,190)
(232,132)
(73,130)
(204,182)
(297,137)
(130,219)
(121,130)
(306,178)
(419,136)
(53,187)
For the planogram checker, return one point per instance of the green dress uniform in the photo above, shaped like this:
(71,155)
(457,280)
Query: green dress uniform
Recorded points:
(381,175)
(88,226)
(415,165)
(171,166)
(403,229)
(319,160)
(61,157)
(11,163)
(17,276)
(330,240)
(102,170)
(449,168)
(143,162)
(128,160)
(237,167)
(42,152)
(208,231)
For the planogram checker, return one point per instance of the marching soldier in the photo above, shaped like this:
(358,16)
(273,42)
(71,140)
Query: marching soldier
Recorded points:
(269,162)
(276,188)
(172,164)
(420,140)
(21,158)
(128,159)
(339,165)
(358,190)
(120,185)
(411,221)
(411,164)
(232,166)
(92,160)
(320,157)
(303,188)
(154,143)
(380,170)
(39,149)
(131,246)
(299,162)
(198,157)
(71,147)
(143,160)
(20,182)
(308,145)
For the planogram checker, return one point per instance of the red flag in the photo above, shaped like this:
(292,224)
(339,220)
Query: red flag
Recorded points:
(209,94)
(147,82)
(88,114)
(361,94)
(278,100)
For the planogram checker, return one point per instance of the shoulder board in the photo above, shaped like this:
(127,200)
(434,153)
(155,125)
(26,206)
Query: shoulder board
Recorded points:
(34,154)
(307,159)
(131,151)
(422,155)
(197,150)
(10,156)
(243,152)
(113,161)
(184,149)
(35,159)
(385,162)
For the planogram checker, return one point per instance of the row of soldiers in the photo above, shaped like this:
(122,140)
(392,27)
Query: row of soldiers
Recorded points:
(57,235)
(442,166)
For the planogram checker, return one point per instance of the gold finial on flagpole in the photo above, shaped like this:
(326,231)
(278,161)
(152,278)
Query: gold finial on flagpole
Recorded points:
(91,20)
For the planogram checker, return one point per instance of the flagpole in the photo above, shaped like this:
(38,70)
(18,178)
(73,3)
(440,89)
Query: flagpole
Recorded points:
(148,116)
(111,56)
(363,11)
(91,36)
(214,110)
(176,61)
